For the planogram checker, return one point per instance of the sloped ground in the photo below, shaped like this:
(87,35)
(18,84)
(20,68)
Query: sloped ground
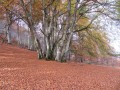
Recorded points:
(20,70)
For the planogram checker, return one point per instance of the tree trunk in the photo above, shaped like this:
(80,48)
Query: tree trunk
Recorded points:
(32,39)
(18,35)
(58,53)
(32,42)
(66,48)
(8,35)
(39,49)
(49,52)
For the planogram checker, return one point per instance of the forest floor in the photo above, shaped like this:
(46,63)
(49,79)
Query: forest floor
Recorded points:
(21,70)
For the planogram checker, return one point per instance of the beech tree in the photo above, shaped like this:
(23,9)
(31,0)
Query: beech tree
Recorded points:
(60,23)
(5,4)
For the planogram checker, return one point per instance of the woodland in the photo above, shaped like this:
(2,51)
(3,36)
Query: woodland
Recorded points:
(59,30)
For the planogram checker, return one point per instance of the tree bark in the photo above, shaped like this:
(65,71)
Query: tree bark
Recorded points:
(8,35)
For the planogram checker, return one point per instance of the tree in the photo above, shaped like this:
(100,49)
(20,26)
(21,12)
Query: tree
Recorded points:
(6,5)
(59,20)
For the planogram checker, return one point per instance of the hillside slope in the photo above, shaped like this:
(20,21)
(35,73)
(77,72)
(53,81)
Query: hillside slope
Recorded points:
(20,70)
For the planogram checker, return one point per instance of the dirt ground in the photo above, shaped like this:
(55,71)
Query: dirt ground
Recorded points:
(21,70)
